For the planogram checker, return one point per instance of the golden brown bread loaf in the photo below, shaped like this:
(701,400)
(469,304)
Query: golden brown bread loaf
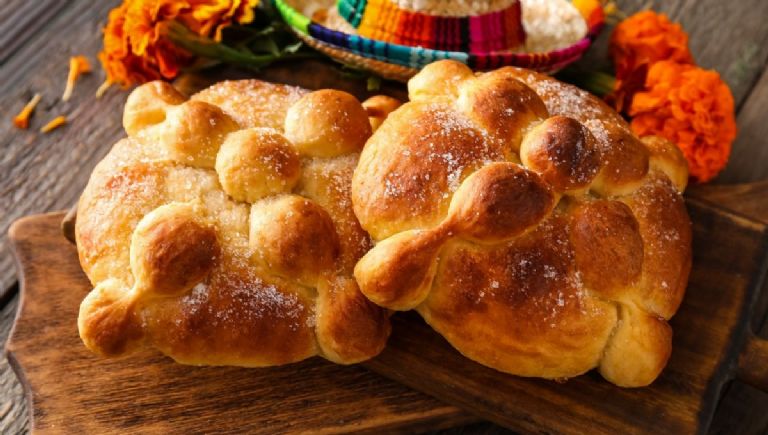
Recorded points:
(221,232)
(527,225)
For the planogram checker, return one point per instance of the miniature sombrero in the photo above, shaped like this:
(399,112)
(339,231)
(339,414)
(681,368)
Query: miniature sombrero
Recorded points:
(396,38)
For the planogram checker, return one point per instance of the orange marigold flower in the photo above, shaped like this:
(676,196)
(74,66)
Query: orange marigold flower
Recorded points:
(215,15)
(645,38)
(691,107)
(117,57)
(137,48)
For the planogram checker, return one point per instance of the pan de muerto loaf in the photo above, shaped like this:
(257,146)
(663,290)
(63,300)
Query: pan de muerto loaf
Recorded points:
(221,231)
(526,224)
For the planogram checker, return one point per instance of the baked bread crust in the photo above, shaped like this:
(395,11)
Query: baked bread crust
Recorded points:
(221,232)
(526,224)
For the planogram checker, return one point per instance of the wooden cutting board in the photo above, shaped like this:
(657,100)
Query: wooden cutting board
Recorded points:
(74,391)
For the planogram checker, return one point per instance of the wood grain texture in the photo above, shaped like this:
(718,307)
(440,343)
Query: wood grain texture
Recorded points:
(75,391)
(736,413)
(748,199)
(751,143)
(47,172)
(22,20)
(710,330)
(14,412)
(753,362)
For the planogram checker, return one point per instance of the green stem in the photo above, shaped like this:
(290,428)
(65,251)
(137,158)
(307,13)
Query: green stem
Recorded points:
(598,83)
(208,48)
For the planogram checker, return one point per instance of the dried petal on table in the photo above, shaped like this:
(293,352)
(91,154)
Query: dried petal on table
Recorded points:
(53,124)
(77,65)
(22,119)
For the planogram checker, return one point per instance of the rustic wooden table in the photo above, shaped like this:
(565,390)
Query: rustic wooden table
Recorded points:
(47,172)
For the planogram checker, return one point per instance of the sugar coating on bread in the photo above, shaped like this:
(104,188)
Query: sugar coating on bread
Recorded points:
(212,236)
(526,224)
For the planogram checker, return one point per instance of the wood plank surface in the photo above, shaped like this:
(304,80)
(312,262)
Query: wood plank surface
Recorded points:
(22,20)
(751,144)
(75,391)
(46,172)
(14,412)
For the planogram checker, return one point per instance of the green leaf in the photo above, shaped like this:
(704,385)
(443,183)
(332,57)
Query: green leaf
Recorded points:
(256,55)
(264,45)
